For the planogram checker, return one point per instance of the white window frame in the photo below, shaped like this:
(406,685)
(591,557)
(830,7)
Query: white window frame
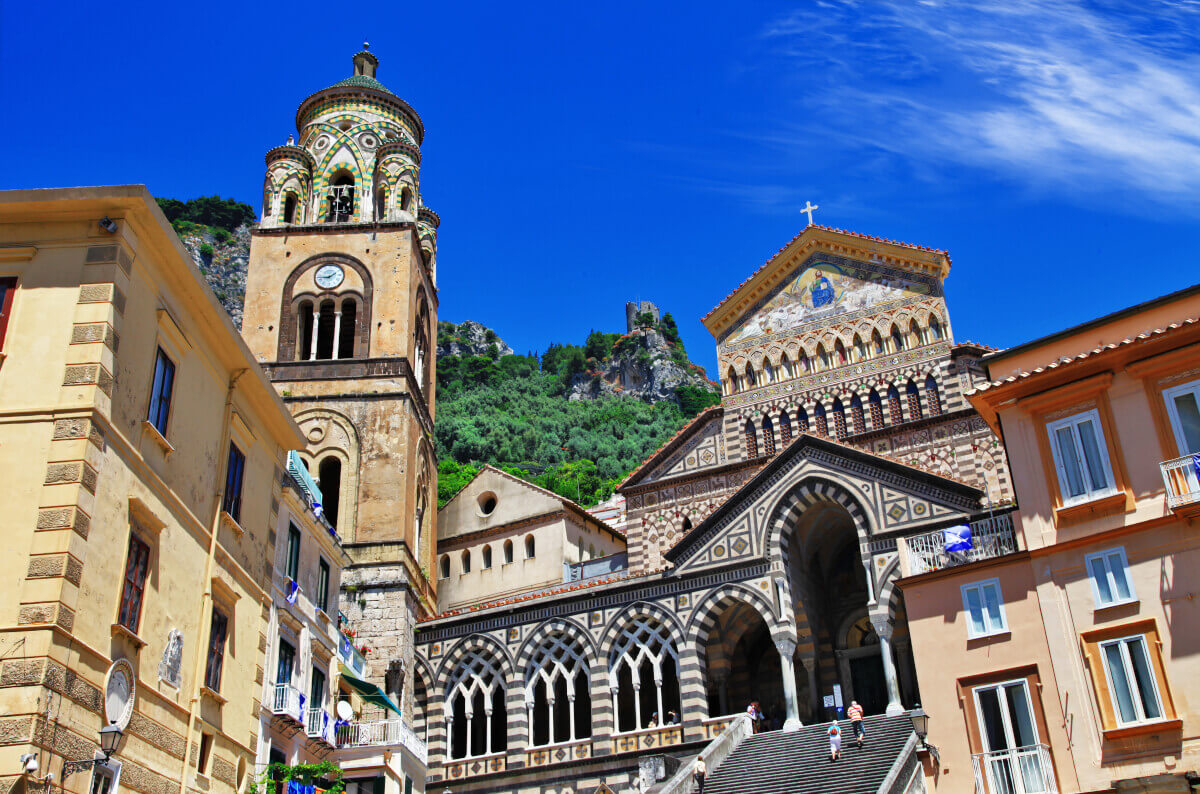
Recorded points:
(1169,396)
(1131,678)
(987,631)
(110,768)
(1074,421)
(1106,557)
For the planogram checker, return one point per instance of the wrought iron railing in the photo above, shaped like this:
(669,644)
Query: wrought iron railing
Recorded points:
(990,537)
(1021,770)
(720,748)
(381,733)
(285,701)
(1182,481)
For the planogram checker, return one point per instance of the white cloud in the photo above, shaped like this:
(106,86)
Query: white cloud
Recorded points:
(1057,94)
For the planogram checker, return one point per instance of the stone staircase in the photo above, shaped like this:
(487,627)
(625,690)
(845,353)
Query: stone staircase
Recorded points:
(797,762)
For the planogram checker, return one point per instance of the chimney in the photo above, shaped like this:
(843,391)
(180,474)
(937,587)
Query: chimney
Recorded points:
(365,63)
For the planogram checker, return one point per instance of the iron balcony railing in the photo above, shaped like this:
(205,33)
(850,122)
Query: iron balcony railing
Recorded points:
(381,733)
(317,725)
(990,537)
(1021,770)
(1180,478)
(285,701)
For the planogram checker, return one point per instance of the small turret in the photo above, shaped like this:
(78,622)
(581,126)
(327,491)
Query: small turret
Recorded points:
(365,63)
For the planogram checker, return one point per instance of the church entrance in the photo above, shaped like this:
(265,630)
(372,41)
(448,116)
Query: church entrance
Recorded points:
(742,665)
(866,676)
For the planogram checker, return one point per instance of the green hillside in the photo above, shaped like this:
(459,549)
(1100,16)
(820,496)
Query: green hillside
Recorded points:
(512,412)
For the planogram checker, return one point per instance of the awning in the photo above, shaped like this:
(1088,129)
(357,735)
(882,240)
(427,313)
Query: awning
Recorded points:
(369,692)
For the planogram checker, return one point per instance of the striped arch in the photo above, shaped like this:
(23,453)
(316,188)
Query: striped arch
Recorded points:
(470,643)
(797,500)
(639,609)
(544,631)
(705,615)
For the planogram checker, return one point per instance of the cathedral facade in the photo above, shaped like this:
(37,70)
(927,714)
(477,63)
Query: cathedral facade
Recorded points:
(762,543)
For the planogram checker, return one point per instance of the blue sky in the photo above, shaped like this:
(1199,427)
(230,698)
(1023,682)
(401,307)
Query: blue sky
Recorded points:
(581,155)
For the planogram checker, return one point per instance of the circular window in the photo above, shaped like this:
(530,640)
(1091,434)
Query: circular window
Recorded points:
(487,503)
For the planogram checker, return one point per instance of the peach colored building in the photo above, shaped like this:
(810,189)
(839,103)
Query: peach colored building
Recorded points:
(1070,664)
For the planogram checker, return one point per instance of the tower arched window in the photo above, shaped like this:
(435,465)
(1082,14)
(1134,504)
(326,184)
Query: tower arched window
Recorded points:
(935,329)
(326,322)
(751,381)
(341,198)
(419,522)
(856,415)
(768,372)
(421,358)
(822,423)
(444,567)
(877,343)
(347,327)
(465,560)
(897,340)
(751,441)
(475,716)
(932,398)
(508,551)
(487,557)
(839,419)
(804,363)
(823,355)
(406,199)
(785,366)
(731,381)
(860,348)
(914,401)
(558,692)
(839,351)
(768,436)
(289,208)
(643,674)
(895,412)
(329,477)
(785,428)
(381,199)
(530,547)
(304,331)
(802,419)
(876,410)
(914,333)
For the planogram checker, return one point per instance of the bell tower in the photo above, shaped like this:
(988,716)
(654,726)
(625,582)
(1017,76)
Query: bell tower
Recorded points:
(341,310)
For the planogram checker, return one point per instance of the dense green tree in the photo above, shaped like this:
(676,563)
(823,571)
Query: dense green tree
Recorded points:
(211,211)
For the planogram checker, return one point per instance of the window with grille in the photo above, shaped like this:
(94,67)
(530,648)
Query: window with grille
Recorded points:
(896,413)
(751,440)
(768,436)
(802,420)
(136,565)
(839,420)
(876,411)
(558,691)
(856,414)
(785,428)
(644,675)
(914,401)
(932,397)
(476,720)
(822,424)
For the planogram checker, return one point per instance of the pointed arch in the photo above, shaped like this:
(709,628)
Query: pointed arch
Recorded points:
(785,366)
(857,420)
(821,423)
(914,401)
(895,412)
(932,397)
(751,440)
(768,429)
(897,339)
(877,343)
(785,428)
(839,354)
(751,381)
(839,419)
(935,329)
(801,419)
(876,403)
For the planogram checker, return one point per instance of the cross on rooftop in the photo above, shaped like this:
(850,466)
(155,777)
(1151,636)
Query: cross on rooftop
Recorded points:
(808,208)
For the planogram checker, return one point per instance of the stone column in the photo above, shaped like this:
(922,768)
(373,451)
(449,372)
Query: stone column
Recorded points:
(787,666)
(571,712)
(883,630)
(337,331)
(312,349)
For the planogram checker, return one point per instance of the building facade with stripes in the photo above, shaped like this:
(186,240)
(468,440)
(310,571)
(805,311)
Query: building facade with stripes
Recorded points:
(762,543)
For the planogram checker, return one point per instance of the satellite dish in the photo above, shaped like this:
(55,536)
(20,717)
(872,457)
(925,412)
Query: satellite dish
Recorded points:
(345,711)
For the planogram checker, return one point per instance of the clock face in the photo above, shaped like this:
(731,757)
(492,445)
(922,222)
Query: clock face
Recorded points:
(329,276)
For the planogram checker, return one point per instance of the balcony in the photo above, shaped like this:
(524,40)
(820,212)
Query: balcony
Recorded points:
(286,702)
(317,725)
(990,537)
(381,733)
(1183,484)
(1021,770)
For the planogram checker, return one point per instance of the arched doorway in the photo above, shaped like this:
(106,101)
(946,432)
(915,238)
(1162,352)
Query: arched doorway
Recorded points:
(828,583)
(742,665)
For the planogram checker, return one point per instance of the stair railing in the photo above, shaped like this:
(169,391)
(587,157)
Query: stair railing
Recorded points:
(714,755)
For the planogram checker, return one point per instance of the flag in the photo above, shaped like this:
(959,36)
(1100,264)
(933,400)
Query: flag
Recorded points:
(957,538)
(293,591)
(1196,463)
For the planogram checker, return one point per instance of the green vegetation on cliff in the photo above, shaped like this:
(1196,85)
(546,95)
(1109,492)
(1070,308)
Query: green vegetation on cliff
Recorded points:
(218,216)
(513,412)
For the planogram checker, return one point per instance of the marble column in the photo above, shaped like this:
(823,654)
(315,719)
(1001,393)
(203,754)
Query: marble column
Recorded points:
(337,331)
(312,350)
(787,667)
(883,630)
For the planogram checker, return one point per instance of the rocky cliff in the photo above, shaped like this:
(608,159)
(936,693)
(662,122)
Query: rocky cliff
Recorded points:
(222,258)
(643,363)
(469,339)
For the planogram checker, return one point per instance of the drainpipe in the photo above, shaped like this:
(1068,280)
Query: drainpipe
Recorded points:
(206,594)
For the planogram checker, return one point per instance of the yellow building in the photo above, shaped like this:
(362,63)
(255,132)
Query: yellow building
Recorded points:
(141,453)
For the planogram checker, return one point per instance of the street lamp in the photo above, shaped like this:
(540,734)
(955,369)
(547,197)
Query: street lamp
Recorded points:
(110,737)
(920,723)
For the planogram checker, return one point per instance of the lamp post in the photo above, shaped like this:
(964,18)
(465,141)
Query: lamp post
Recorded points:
(110,737)
(920,723)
